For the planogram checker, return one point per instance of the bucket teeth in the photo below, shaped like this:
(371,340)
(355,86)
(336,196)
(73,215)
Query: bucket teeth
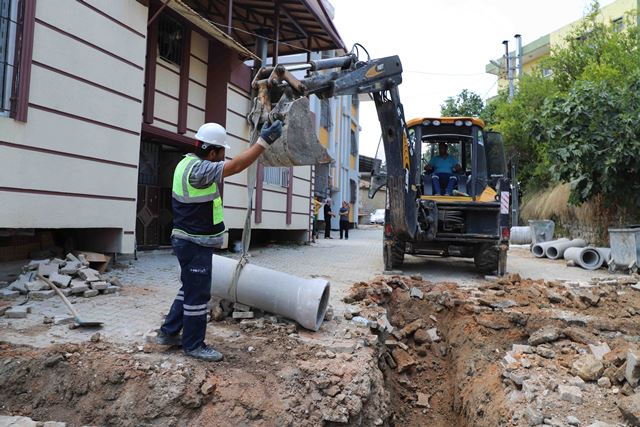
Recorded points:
(298,145)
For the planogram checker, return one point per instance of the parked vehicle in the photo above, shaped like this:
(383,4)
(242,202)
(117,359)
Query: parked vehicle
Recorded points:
(377,217)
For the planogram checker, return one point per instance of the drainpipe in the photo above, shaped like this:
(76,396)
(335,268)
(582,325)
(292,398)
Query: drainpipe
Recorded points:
(507,57)
(519,55)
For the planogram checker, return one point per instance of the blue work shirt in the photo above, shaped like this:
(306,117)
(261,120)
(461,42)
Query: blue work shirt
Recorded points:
(443,164)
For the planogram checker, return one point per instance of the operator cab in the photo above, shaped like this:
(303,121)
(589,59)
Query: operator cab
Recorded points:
(471,147)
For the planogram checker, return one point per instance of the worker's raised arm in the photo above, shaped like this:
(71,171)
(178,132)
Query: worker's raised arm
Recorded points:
(268,134)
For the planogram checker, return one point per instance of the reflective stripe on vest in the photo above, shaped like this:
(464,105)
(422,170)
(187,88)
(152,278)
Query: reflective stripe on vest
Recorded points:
(184,192)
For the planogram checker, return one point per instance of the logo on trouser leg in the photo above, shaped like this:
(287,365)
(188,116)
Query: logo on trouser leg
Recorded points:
(197,270)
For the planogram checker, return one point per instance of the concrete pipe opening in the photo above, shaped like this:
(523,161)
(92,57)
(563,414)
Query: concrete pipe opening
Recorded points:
(538,251)
(552,253)
(322,307)
(590,257)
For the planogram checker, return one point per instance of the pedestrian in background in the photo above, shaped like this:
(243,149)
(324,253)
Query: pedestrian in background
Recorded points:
(327,218)
(344,220)
(316,210)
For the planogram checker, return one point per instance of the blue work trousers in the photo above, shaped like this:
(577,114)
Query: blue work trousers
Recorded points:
(439,179)
(189,310)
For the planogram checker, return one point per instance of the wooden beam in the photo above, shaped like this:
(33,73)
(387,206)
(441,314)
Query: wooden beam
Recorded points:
(183,93)
(150,70)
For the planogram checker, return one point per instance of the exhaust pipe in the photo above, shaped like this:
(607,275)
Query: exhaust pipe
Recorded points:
(539,249)
(302,300)
(556,251)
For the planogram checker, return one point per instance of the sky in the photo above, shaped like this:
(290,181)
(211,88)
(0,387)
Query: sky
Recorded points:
(444,45)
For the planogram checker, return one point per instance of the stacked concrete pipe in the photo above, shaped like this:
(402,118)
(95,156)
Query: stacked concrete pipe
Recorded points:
(556,250)
(520,235)
(587,258)
(539,249)
(303,300)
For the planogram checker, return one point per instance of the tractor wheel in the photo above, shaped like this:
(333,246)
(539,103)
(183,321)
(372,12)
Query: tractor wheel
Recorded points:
(393,254)
(486,258)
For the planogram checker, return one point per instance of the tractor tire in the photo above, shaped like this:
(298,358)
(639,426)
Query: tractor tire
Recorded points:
(486,258)
(393,254)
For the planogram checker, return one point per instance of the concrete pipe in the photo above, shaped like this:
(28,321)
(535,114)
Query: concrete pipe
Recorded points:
(539,249)
(520,235)
(556,251)
(605,254)
(587,258)
(303,300)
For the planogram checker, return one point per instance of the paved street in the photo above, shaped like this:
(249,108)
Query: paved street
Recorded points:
(151,283)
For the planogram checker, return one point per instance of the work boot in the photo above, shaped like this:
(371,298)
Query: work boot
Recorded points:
(165,339)
(205,353)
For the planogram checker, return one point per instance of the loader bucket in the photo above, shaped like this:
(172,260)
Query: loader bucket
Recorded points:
(298,145)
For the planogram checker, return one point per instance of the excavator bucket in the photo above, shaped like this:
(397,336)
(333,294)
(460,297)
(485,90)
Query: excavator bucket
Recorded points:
(298,145)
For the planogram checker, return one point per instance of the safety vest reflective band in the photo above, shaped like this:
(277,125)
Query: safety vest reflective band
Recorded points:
(196,211)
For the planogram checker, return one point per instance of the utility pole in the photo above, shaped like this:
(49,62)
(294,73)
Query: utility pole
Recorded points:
(507,57)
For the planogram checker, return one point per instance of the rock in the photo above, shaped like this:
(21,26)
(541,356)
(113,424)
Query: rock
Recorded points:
(243,315)
(544,335)
(78,287)
(10,421)
(332,391)
(630,409)
(410,328)
(420,336)
(63,320)
(545,352)
(573,421)
(89,274)
(115,282)
(632,371)
(521,349)
(587,367)
(423,400)
(509,359)
(99,286)
(588,297)
(602,424)
(599,351)
(433,334)
(533,416)
(54,424)
(111,290)
(96,337)
(578,382)
(90,293)
(71,268)
(207,387)
(403,360)
(328,315)
(416,293)
(42,295)
(17,312)
(570,393)
(60,280)
(47,269)
(604,382)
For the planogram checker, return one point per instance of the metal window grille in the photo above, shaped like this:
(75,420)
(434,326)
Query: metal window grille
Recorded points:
(276,176)
(170,38)
(8,34)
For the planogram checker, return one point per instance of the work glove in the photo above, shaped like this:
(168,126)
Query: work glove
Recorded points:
(271,132)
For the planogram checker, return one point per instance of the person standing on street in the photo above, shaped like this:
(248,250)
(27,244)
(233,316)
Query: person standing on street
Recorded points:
(344,220)
(316,209)
(327,218)
(198,227)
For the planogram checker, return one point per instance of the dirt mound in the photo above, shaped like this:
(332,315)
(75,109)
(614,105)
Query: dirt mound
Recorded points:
(511,352)
(267,378)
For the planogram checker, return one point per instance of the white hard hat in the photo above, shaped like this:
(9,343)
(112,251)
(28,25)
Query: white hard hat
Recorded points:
(212,134)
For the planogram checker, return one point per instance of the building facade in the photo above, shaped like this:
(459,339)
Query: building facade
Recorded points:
(103,99)
(533,53)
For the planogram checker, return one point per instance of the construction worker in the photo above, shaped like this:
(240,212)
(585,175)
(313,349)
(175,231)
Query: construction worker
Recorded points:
(198,227)
(316,210)
(443,167)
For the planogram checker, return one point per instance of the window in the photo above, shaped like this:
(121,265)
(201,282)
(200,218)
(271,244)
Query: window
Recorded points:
(276,176)
(354,144)
(325,114)
(8,31)
(170,37)
(618,25)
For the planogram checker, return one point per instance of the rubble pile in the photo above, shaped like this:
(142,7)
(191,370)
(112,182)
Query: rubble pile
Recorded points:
(72,275)
(537,352)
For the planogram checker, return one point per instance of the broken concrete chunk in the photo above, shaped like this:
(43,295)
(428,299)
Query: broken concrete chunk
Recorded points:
(48,269)
(587,367)
(433,334)
(416,293)
(15,421)
(604,382)
(115,282)
(630,409)
(42,295)
(78,286)
(423,400)
(9,294)
(570,393)
(243,315)
(99,286)
(545,352)
(241,307)
(544,335)
(632,370)
(111,290)
(60,280)
(534,416)
(600,350)
(89,275)
(17,312)
(37,285)
(403,360)
(54,424)
(89,293)
(420,336)
(521,349)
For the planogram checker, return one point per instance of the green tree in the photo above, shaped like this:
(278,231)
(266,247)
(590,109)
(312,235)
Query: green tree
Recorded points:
(465,104)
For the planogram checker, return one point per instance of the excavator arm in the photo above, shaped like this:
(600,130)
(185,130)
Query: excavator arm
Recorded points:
(347,76)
